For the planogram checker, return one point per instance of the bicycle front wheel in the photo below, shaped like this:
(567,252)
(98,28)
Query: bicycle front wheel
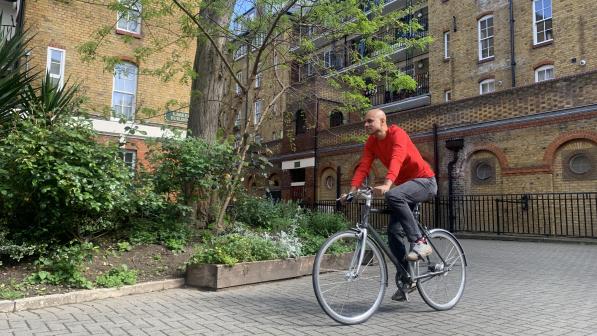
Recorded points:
(442,283)
(349,291)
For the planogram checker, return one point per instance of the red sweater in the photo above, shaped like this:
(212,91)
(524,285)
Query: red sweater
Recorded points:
(397,153)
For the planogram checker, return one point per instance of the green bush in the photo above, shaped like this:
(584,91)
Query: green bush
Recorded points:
(64,266)
(58,182)
(234,248)
(146,231)
(326,224)
(117,277)
(255,211)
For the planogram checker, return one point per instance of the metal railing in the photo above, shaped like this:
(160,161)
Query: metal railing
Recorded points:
(383,94)
(571,215)
(7,31)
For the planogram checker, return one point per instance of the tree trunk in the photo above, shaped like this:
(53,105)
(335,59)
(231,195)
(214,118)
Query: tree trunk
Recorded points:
(207,93)
(209,87)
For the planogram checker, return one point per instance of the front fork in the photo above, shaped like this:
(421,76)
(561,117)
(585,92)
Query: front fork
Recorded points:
(357,258)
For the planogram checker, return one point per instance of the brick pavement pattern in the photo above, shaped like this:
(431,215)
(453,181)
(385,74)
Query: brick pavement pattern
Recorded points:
(513,288)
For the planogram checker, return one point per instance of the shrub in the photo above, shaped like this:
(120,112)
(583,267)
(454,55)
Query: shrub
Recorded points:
(326,224)
(58,182)
(117,277)
(234,248)
(256,212)
(64,266)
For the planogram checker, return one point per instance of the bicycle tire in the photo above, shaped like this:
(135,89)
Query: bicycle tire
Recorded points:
(434,290)
(370,282)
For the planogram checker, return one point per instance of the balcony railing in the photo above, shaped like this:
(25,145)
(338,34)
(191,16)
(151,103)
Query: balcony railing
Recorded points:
(383,94)
(7,31)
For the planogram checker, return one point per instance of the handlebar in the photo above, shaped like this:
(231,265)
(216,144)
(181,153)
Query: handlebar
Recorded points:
(366,191)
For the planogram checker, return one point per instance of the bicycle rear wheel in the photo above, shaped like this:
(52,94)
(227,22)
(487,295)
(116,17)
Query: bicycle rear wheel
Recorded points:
(348,292)
(443,290)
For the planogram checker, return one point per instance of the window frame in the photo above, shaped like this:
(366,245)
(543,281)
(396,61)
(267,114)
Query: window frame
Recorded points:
(480,40)
(134,94)
(486,81)
(545,68)
(240,77)
(62,65)
(133,165)
(535,22)
(447,45)
(256,119)
(446,94)
(258,76)
(119,16)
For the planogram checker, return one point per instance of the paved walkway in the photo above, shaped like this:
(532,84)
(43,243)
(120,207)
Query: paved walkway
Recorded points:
(514,288)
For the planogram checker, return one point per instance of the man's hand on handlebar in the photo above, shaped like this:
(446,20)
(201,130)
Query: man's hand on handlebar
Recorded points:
(384,188)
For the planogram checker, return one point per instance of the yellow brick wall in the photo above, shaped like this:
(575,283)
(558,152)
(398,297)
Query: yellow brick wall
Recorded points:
(68,24)
(574,33)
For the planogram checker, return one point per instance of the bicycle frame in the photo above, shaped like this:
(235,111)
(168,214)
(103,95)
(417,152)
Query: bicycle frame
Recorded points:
(364,230)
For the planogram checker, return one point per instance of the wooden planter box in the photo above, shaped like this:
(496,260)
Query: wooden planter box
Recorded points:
(212,276)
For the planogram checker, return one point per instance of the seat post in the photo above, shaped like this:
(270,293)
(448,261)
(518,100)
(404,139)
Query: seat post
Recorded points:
(416,212)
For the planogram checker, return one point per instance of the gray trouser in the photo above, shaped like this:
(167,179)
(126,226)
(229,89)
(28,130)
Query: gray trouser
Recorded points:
(401,200)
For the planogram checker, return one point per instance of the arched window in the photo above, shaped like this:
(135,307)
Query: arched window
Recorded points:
(336,119)
(301,124)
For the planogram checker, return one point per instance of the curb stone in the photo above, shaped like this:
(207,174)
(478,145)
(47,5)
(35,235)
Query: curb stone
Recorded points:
(9,306)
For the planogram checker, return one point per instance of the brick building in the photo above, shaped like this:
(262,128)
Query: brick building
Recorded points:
(59,28)
(510,105)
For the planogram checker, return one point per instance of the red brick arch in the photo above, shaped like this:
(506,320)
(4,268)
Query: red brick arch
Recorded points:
(558,142)
(495,150)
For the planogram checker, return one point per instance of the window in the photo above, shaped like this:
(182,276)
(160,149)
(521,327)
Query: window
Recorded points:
(446,45)
(55,66)
(129,157)
(240,52)
(336,119)
(237,120)
(487,86)
(301,124)
(258,77)
(258,40)
(483,172)
(580,164)
(257,112)
(448,95)
(124,90)
(130,19)
(328,58)
(542,29)
(310,69)
(239,76)
(485,37)
(544,73)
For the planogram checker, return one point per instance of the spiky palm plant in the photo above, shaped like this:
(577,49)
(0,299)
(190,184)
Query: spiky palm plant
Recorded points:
(14,76)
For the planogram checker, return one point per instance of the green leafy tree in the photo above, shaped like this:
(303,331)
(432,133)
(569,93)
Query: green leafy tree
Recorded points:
(271,46)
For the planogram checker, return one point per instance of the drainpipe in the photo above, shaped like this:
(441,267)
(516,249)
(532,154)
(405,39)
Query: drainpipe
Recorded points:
(315,150)
(338,187)
(455,146)
(436,213)
(512,56)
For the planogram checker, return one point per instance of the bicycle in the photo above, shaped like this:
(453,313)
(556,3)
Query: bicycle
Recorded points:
(355,264)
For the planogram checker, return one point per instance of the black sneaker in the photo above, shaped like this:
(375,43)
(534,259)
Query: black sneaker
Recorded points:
(400,295)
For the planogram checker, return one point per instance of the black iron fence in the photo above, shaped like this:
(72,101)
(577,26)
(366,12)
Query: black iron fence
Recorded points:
(550,214)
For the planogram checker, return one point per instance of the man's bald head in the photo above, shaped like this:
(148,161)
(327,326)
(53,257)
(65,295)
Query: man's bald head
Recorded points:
(376,113)
(375,123)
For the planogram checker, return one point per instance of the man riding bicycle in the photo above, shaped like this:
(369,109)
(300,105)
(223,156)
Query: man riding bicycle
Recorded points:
(414,180)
